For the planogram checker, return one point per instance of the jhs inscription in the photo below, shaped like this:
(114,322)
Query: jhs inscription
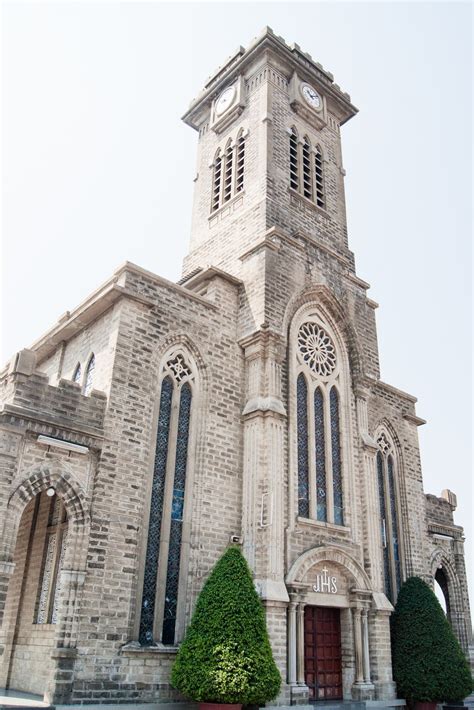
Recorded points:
(325,583)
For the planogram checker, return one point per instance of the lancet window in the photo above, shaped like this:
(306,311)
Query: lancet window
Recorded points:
(54,550)
(161,583)
(77,374)
(319,457)
(228,172)
(89,376)
(389,525)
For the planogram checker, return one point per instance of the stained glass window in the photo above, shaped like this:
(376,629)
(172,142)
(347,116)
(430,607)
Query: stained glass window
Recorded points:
(177,505)
(302,430)
(393,513)
(383,525)
(156,513)
(55,548)
(89,375)
(320,454)
(336,457)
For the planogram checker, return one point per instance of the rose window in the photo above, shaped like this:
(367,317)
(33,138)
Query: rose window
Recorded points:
(317,349)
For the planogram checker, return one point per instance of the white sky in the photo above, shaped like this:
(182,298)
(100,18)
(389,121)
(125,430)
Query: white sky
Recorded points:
(97,169)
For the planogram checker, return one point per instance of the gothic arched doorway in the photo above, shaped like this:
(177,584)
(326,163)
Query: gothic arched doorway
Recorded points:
(32,603)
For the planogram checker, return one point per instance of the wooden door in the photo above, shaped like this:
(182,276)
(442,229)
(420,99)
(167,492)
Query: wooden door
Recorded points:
(322,652)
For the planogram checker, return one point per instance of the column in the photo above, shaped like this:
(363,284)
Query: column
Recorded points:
(359,671)
(365,646)
(300,657)
(292,643)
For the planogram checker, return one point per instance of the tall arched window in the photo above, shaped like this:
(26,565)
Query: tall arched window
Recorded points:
(294,171)
(307,171)
(319,177)
(159,606)
(389,525)
(319,457)
(77,374)
(89,377)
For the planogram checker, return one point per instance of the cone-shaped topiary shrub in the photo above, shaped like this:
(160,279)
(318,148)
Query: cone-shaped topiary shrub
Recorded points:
(226,655)
(428,662)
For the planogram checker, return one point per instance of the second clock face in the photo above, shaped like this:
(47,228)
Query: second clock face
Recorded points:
(311,96)
(225,100)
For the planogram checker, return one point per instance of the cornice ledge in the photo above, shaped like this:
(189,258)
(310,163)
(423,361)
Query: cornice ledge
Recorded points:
(264,333)
(357,281)
(264,404)
(395,390)
(206,274)
(413,419)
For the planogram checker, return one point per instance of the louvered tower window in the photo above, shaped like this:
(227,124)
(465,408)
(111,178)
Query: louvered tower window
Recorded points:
(229,162)
(216,183)
(240,159)
(319,177)
(307,172)
(160,605)
(294,180)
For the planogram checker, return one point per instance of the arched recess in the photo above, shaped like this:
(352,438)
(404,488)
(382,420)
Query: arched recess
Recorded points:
(39,478)
(319,306)
(312,557)
(443,567)
(36,480)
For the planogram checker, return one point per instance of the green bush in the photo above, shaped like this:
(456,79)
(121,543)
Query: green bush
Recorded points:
(428,662)
(226,655)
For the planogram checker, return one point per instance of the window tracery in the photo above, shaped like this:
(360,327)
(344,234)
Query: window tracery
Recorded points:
(320,488)
(159,607)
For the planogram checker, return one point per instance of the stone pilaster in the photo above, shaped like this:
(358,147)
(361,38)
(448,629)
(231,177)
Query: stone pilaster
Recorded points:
(264,455)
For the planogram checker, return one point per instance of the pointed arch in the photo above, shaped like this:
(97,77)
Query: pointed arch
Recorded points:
(77,373)
(89,374)
(322,299)
(337,555)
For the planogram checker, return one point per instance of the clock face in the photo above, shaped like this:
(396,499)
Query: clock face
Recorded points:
(225,100)
(311,96)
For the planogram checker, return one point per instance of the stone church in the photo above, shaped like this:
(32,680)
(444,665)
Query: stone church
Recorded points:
(159,422)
